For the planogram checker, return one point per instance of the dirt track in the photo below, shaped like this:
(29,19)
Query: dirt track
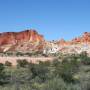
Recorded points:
(13,60)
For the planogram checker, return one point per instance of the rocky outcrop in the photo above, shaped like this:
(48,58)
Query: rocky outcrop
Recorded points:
(20,40)
(77,45)
(85,38)
(30,40)
(18,37)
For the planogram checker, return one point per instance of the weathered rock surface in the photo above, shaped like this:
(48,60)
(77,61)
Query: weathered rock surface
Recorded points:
(85,38)
(76,45)
(24,40)
(30,40)
(18,37)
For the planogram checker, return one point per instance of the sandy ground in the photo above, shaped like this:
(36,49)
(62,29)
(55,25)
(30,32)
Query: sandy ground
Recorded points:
(13,60)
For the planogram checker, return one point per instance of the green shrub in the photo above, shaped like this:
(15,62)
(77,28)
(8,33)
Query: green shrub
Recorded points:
(54,84)
(39,70)
(7,63)
(2,74)
(86,61)
(19,54)
(22,63)
(67,69)
(59,84)
(1,67)
(65,73)
(84,58)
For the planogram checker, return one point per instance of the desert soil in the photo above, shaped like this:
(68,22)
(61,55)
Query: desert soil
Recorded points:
(13,60)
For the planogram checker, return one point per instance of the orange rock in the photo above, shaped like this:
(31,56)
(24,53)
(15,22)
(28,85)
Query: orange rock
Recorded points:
(18,37)
(85,38)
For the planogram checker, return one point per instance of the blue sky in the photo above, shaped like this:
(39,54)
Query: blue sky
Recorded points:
(54,19)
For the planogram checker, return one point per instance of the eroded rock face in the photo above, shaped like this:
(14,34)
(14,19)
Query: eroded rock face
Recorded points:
(13,40)
(24,36)
(85,38)
(30,40)
(77,45)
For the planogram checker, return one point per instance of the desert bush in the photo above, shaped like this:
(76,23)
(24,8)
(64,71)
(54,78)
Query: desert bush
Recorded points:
(19,54)
(28,54)
(68,74)
(54,84)
(22,63)
(66,70)
(3,75)
(39,70)
(7,63)
(59,84)
(84,58)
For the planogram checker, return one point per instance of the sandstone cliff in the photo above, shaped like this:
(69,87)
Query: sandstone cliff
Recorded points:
(85,38)
(24,40)
(30,40)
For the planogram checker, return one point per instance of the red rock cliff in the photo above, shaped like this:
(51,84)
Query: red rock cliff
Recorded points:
(18,37)
(85,38)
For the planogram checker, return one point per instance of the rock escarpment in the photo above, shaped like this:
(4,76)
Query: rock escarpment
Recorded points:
(30,40)
(20,41)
